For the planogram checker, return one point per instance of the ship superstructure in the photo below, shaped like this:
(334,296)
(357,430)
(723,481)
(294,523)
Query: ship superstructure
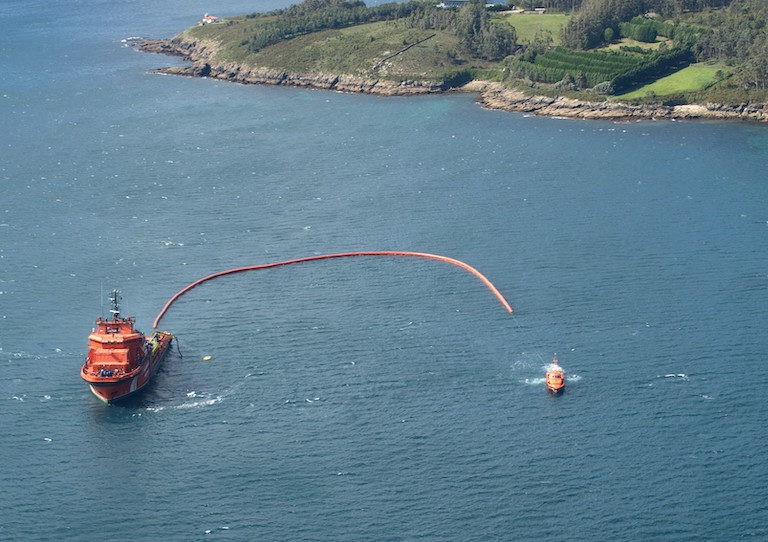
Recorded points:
(121,360)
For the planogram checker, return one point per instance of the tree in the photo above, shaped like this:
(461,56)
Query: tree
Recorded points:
(754,72)
(479,36)
(585,28)
(566,83)
(738,34)
(496,42)
(541,40)
(470,23)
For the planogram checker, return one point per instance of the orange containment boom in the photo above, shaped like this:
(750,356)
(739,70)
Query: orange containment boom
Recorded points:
(458,263)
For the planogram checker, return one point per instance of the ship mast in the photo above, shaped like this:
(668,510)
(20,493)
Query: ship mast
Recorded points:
(115,298)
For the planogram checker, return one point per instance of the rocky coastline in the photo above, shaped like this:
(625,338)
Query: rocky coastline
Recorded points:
(202,56)
(495,96)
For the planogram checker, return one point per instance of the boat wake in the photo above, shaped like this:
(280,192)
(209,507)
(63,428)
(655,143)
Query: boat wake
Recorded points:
(10,357)
(204,402)
(538,381)
(203,399)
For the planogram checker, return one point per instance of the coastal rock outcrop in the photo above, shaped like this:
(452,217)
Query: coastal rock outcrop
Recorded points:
(202,55)
(495,96)
(190,50)
(271,76)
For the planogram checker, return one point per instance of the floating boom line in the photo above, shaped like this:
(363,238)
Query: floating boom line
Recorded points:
(453,261)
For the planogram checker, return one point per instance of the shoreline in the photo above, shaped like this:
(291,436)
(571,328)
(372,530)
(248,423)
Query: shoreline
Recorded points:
(201,55)
(496,96)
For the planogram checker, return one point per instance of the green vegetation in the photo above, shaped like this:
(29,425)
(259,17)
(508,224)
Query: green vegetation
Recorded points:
(629,45)
(328,36)
(738,35)
(549,5)
(652,66)
(595,66)
(316,15)
(359,50)
(587,27)
(644,30)
(638,49)
(527,25)
(477,35)
(693,77)
(731,31)
(259,30)
(614,71)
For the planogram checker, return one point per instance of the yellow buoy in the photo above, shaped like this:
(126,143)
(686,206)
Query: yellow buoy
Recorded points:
(206,358)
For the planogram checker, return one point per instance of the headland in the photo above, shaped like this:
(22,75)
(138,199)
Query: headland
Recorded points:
(202,56)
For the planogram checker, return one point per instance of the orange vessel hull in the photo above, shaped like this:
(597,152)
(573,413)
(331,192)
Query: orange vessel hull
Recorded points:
(555,384)
(555,378)
(121,360)
(113,388)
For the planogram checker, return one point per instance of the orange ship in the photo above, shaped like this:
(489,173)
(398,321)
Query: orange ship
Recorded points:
(121,360)
(555,378)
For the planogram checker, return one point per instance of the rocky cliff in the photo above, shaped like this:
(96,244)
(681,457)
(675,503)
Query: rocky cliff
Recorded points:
(202,55)
(495,96)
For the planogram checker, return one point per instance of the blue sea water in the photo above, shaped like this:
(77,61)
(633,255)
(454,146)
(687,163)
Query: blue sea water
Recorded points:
(369,398)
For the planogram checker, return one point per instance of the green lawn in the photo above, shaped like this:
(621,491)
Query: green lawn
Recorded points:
(527,24)
(694,77)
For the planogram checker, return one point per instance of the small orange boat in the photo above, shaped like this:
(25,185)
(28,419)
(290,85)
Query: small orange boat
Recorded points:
(555,378)
(121,360)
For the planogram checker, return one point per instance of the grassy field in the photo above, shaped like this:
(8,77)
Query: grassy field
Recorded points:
(354,50)
(229,33)
(694,77)
(526,24)
(359,50)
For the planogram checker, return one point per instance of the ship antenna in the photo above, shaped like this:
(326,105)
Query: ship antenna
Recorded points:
(115,310)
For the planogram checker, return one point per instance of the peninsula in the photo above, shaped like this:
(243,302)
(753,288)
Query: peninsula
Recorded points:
(641,65)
